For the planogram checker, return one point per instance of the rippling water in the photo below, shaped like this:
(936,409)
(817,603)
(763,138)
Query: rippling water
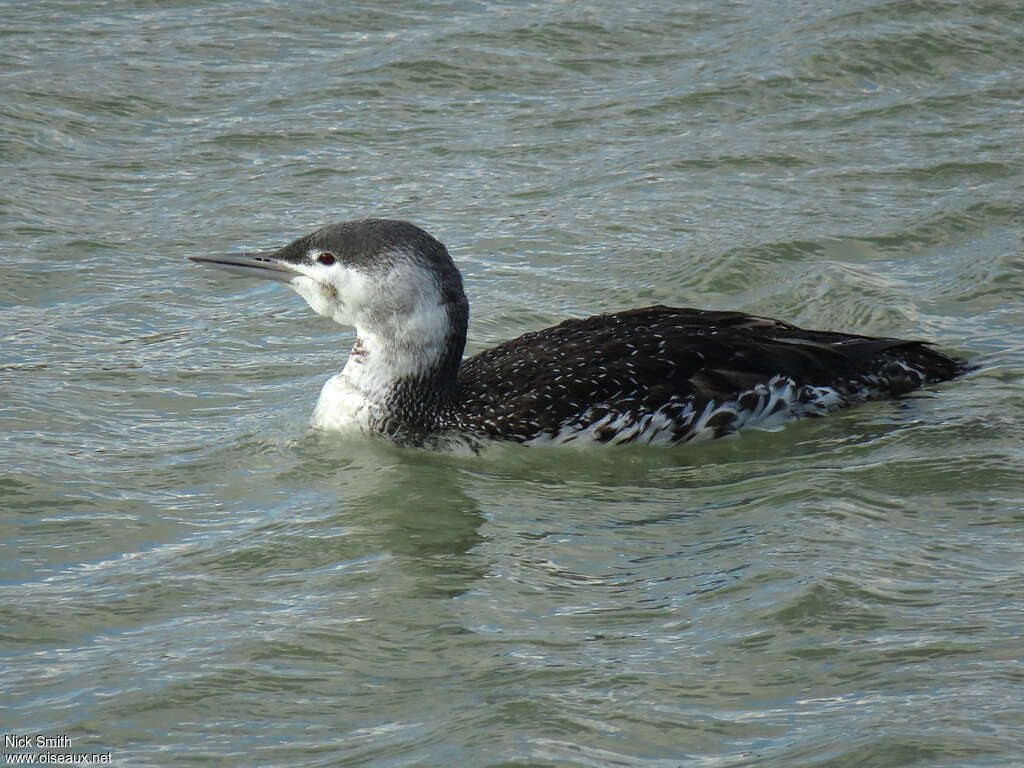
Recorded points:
(193,576)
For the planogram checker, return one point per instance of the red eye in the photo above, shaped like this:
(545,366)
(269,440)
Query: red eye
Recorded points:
(326,259)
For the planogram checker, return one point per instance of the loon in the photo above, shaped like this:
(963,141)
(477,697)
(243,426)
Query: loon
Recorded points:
(659,375)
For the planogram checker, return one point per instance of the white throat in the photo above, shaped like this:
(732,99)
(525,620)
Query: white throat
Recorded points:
(357,398)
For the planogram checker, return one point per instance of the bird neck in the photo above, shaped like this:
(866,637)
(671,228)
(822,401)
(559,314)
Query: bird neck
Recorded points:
(401,378)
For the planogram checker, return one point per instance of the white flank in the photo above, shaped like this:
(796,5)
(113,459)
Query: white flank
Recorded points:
(658,428)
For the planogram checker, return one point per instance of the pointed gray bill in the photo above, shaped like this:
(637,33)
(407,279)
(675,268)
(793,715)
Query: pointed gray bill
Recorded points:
(250,265)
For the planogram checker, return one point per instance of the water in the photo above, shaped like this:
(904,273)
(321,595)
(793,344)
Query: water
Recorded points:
(192,576)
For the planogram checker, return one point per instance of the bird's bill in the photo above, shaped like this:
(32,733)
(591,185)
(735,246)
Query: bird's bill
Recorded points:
(250,265)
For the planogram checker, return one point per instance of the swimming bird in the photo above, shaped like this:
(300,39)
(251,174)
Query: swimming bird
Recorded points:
(657,375)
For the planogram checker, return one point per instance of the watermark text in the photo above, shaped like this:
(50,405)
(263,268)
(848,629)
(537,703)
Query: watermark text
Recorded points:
(38,749)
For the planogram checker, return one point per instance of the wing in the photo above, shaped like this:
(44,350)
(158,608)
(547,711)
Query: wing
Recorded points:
(679,363)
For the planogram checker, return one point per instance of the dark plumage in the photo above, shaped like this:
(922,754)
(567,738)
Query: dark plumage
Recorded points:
(663,359)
